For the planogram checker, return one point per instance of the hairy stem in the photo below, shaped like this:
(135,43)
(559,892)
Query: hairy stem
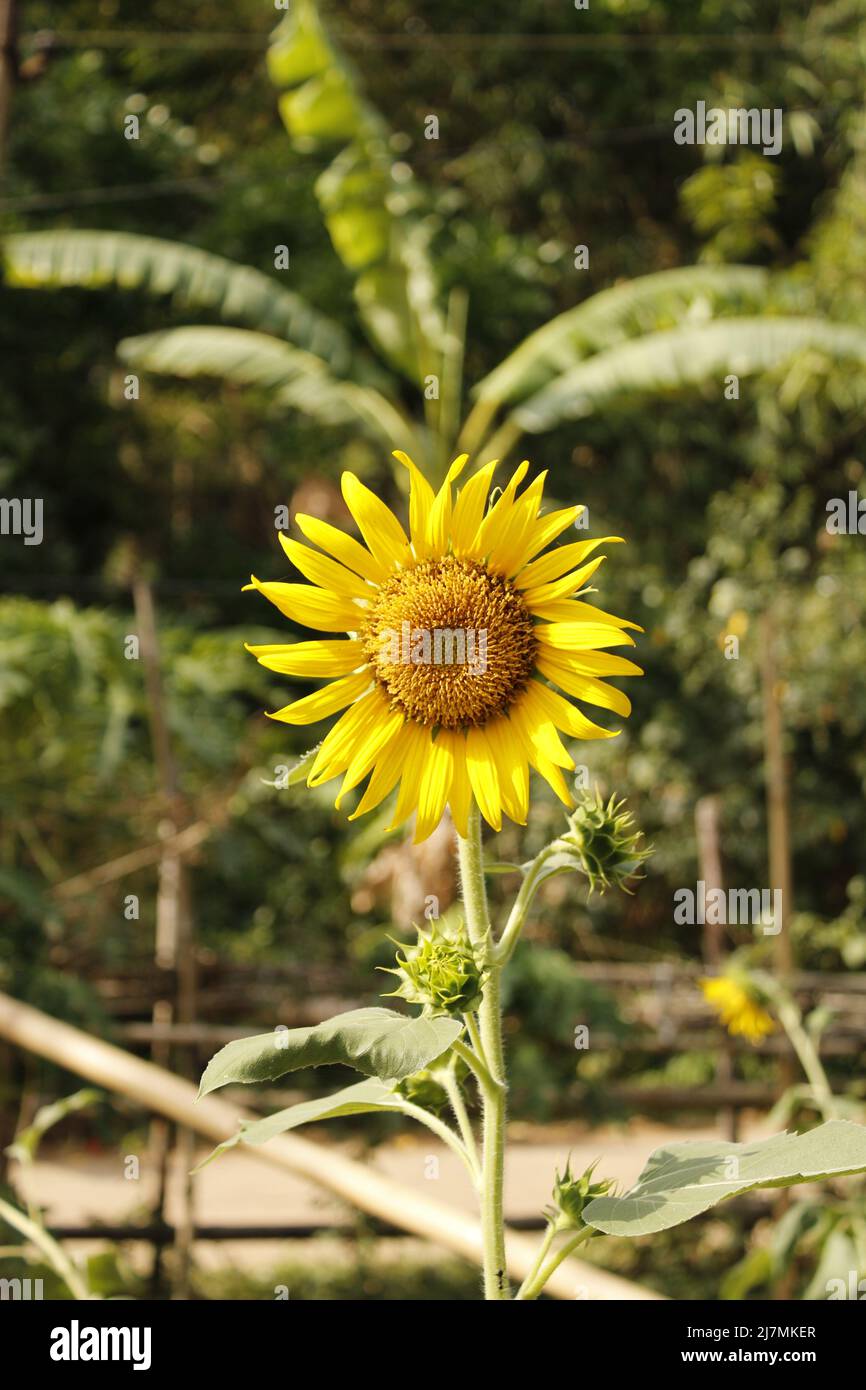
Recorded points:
(532,881)
(458,1105)
(533,1286)
(791,1020)
(441,1130)
(543,1251)
(493,1081)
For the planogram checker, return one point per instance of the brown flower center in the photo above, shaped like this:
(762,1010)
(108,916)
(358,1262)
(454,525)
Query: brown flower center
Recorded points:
(451,644)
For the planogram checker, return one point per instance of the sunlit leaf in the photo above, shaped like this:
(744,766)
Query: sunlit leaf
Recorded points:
(377,1042)
(616,314)
(683,357)
(298,380)
(680,1181)
(191,278)
(359,1099)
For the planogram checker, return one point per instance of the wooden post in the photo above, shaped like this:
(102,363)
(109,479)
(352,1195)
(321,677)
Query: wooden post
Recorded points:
(710,871)
(713,944)
(778,831)
(8,66)
(174,951)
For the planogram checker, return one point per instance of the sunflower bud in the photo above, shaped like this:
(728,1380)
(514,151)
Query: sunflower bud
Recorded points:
(441,972)
(425,1090)
(607,847)
(570,1196)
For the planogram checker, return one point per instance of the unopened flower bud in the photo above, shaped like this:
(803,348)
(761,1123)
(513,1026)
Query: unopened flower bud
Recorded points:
(423,1089)
(605,843)
(441,972)
(570,1196)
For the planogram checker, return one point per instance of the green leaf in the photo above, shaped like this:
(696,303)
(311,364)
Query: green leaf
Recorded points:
(647,303)
(359,1099)
(754,1269)
(683,357)
(193,279)
(299,380)
(377,1042)
(683,1180)
(27,1140)
(839,1257)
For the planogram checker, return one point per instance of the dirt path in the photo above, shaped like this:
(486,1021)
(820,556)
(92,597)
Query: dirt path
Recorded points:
(78,1188)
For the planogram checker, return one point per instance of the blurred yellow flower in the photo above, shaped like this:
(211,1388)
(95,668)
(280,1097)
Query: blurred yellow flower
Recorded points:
(737,1009)
(455,634)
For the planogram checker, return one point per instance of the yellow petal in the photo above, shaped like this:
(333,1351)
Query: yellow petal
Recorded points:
(325,702)
(312,607)
(511,768)
(600,664)
(565,716)
(545,530)
(440,516)
(555,780)
(537,728)
(377,523)
(483,777)
(327,573)
(543,746)
(594,692)
(344,548)
(386,773)
(371,750)
(581,637)
(510,542)
(564,587)
(322,658)
(343,742)
(469,510)
(433,788)
(556,562)
(574,610)
(412,773)
(460,797)
(498,514)
(421,499)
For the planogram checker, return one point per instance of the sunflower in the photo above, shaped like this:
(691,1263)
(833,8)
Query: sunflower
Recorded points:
(455,635)
(738,1008)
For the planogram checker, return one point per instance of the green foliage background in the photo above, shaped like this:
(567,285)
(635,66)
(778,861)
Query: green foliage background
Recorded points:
(542,147)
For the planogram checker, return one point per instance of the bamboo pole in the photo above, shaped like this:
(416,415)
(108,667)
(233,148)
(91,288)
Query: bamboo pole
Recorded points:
(707,833)
(778,821)
(776,779)
(361,1186)
(182,843)
(174,934)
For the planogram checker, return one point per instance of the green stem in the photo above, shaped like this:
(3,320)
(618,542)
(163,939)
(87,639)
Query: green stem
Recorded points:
(54,1253)
(455,1096)
(441,1130)
(792,1021)
(543,1251)
(536,1281)
(493,1084)
(532,881)
(475,1037)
